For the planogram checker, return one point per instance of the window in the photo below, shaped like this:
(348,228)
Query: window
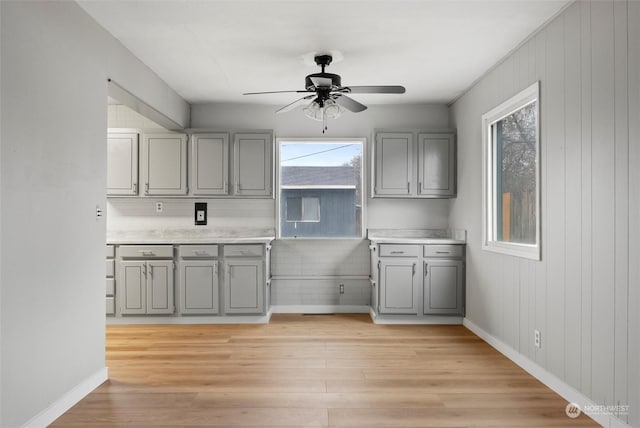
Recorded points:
(511,184)
(303,208)
(320,188)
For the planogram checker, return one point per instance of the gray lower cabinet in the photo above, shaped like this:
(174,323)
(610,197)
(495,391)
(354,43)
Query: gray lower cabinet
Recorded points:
(244,286)
(146,287)
(443,286)
(110,284)
(199,280)
(398,286)
(414,279)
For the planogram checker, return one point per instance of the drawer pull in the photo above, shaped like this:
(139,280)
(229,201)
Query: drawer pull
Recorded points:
(443,252)
(200,253)
(146,253)
(397,252)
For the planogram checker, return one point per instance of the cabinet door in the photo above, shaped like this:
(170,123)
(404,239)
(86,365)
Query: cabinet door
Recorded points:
(199,287)
(252,164)
(244,286)
(122,164)
(132,287)
(373,253)
(165,164)
(436,165)
(160,287)
(398,286)
(394,164)
(210,167)
(443,287)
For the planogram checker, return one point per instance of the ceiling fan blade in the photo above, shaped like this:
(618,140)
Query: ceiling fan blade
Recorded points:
(349,103)
(276,92)
(294,104)
(321,82)
(394,89)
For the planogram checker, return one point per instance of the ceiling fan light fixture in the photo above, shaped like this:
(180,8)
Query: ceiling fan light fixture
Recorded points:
(329,110)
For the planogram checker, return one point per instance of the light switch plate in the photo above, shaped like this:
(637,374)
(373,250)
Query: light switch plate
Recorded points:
(200,215)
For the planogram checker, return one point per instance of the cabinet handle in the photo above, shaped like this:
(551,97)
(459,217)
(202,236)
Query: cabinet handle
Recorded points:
(215,268)
(397,252)
(426,269)
(237,187)
(135,188)
(145,269)
(413,270)
(419,186)
(200,253)
(146,253)
(408,188)
(443,252)
(226,187)
(146,188)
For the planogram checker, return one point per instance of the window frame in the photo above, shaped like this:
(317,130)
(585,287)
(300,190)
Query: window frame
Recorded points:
(363,165)
(490,241)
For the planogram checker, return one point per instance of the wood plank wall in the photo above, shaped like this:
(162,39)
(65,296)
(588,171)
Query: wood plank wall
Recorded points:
(584,294)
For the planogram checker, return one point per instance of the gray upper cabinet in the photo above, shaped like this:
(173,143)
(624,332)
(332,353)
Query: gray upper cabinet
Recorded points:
(436,165)
(404,168)
(122,163)
(393,164)
(164,165)
(252,164)
(210,164)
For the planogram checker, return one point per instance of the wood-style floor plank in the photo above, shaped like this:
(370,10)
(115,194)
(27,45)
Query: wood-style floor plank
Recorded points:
(312,371)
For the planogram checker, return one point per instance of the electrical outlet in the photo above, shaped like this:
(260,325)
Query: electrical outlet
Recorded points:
(159,207)
(341,288)
(200,215)
(537,341)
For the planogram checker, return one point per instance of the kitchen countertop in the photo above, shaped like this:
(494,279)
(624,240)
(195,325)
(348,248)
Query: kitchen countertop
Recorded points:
(417,236)
(191,236)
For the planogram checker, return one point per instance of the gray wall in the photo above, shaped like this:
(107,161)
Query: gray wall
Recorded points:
(55,61)
(584,294)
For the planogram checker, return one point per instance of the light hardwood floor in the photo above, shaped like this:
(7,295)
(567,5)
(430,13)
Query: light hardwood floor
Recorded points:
(309,371)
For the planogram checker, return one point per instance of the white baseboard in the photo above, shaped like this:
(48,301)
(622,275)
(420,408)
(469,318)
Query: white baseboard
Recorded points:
(414,319)
(190,319)
(319,309)
(68,400)
(563,389)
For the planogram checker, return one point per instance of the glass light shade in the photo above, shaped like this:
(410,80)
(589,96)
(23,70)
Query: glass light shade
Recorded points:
(330,110)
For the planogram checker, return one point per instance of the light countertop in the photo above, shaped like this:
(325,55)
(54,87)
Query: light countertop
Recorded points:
(417,236)
(191,236)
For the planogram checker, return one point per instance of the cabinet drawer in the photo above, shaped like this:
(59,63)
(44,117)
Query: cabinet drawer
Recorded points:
(243,250)
(111,267)
(146,251)
(111,251)
(110,306)
(197,251)
(110,287)
(396,250)
(456,251)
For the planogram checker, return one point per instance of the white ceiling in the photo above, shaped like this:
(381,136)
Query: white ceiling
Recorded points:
(213,51)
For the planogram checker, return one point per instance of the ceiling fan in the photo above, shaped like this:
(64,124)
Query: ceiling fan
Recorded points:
(328,94)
